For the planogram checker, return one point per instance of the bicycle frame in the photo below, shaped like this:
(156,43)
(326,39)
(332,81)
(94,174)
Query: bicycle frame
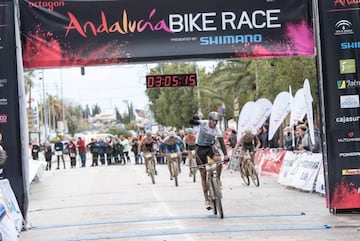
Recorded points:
(174,165)
(150,162)
(213,184)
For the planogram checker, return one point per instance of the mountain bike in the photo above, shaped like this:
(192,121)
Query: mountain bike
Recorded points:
(213,186)
(247,170)
(174,166)
(149,159)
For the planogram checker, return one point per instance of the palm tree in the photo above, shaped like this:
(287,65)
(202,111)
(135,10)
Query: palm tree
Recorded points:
(231,79)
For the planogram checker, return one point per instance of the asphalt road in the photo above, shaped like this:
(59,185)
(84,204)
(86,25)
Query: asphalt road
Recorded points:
(121,203)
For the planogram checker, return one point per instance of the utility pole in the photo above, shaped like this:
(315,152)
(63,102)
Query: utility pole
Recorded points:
(45,108)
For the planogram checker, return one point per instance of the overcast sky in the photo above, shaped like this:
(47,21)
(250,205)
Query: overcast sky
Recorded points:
(107,86)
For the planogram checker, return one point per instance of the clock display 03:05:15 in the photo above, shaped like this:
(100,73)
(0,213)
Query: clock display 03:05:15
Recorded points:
(171,80)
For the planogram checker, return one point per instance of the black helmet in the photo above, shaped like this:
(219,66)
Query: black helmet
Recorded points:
(213,116)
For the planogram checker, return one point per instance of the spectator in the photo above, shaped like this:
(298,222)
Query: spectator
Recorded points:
(94,150)
(59,152)
(134,149)
(48,155)
(288,139)
(35,149)
(233,139)
(299,134)
(263,137)
(102,145)
(71,147)
(109,149)
(125,143)
(80,144)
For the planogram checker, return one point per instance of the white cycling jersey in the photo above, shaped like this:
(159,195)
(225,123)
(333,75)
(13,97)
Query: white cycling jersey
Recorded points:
(206,135)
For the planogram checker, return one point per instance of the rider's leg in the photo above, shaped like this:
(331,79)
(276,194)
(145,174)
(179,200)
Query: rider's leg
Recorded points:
(189,158)
(168,161)
(154,161)
(204,184)
(146,165)
(179,161)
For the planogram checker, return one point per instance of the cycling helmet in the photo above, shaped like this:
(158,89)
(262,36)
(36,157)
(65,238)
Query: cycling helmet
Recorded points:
(148,133)
(189,130)
(213,116)
(248,132)
(172,134)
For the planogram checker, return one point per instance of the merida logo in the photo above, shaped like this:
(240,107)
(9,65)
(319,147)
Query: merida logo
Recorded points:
(350,45)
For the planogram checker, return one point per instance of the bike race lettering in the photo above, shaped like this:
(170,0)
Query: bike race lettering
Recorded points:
(80,33)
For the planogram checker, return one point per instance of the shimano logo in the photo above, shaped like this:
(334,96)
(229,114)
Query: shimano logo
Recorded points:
(343,27)
(347,119)
(350,45)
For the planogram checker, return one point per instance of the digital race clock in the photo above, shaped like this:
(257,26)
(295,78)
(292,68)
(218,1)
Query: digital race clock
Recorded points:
(171,80)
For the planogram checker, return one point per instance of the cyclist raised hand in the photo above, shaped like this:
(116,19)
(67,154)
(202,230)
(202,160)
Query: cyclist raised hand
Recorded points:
(172,144)
(208,133)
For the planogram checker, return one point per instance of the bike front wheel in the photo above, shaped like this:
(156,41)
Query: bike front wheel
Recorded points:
(175,170)
(244,173)
(253,174)
(152,171)
(217,197)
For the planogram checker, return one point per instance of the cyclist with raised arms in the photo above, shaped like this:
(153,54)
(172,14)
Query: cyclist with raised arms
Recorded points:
(172,144)
(208,133)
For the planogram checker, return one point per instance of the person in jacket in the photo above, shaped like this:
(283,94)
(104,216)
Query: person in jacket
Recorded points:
(59,152)
(80,144)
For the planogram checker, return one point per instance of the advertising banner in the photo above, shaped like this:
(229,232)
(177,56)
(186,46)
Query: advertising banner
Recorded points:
(9,104)
(260,114)
(298,107)
(340,89)
(280,109)
(245,117)
(78,33)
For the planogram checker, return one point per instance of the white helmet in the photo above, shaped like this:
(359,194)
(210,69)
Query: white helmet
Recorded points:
(213,116)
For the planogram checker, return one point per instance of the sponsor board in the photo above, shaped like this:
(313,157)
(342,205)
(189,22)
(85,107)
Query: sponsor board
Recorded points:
(350,45)
(347,119)
(3,118)
(347,66)
(344,84)
(348,172)
(349,154)
(343,27)
(350,137)
(349,101)
(344,5)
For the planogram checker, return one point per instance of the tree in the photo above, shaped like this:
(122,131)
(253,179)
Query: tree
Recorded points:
(173,106)
(119,118)
(95,110)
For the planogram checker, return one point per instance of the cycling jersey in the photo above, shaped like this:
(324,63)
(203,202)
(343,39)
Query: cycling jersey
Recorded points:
(206,135)
(172,144)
